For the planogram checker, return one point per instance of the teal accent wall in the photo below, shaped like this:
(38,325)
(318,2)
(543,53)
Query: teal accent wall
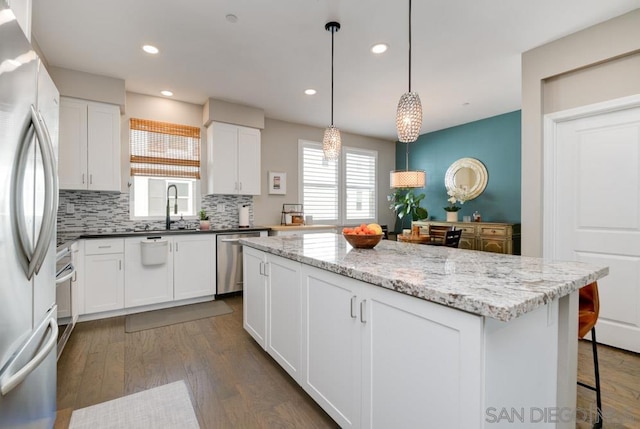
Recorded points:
(495,141)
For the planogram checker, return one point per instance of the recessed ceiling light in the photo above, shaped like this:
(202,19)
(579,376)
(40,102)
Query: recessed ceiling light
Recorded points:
(310,91)
(150,49)
(166,93)
(379,48)
(232,18)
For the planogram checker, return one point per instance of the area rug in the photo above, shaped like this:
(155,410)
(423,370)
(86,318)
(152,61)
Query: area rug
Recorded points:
(164,407)
(173,315)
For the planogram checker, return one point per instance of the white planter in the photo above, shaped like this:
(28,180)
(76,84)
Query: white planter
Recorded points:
(452,216)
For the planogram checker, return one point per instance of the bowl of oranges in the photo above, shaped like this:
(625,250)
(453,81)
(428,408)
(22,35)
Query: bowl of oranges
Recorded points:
(363,236)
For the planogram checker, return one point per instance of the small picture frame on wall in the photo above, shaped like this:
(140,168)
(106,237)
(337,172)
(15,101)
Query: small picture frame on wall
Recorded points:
(277,183)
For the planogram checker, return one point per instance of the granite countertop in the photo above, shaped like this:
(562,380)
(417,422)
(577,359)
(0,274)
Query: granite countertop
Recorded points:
(299,227)
(65,238)
(502,287)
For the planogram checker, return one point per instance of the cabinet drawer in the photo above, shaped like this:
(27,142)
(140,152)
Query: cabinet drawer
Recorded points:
(494,230)
(467,230)
(103,247)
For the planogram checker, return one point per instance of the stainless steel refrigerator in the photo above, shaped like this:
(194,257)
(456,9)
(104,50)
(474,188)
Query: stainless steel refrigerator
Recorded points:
(28,204)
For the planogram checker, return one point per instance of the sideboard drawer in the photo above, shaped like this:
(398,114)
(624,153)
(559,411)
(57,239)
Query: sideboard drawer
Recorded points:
(466,229)
(494,230)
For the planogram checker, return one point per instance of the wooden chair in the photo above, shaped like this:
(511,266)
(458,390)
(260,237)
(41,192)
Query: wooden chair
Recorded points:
(452,238)
(438,233)
(588,310)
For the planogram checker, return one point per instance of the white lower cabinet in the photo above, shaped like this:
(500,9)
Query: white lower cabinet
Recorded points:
(103,275)
(272,307)
(115,277)
(194,265)
(146,284)
(370,357)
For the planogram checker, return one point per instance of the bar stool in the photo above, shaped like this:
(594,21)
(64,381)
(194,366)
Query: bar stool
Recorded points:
(588,310)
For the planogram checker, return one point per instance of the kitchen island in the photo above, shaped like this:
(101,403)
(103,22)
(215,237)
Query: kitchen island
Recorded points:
(406,335)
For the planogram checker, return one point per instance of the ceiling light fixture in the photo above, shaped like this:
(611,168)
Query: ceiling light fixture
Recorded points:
(331,143)
(166,93)
(150,49)
(379,48)
(408,123)
(310,91)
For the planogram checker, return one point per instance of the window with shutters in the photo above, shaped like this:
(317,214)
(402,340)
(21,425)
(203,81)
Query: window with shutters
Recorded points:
(342,191)
(163,154)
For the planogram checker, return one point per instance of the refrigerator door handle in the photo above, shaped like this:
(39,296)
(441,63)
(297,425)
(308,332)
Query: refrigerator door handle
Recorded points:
(47,229)
(8,384)
(25,250)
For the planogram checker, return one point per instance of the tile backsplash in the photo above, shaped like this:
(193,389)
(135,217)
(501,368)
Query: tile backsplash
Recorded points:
(95,211)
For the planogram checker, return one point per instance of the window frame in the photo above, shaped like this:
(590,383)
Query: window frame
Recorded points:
(341,182)
(197,197)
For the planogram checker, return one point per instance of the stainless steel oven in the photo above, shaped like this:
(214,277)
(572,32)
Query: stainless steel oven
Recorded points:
(229,259)
(66,295)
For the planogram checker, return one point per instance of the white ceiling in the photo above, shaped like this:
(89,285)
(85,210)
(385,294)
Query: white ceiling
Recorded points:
(464,51)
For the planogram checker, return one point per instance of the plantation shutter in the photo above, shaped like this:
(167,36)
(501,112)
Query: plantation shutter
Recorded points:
(164,149)
(319,184)
(360,185)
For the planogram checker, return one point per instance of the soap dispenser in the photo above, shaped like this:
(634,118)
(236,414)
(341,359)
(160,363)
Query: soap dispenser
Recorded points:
(181,224)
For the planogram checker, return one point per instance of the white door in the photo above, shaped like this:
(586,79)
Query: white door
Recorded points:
(593,208)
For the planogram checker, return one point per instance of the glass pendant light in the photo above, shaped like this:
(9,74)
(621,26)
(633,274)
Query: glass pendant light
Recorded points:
(409,114)
(408,123)
(331,143)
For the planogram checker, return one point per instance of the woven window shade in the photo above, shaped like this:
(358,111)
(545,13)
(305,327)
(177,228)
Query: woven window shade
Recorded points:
(164,149)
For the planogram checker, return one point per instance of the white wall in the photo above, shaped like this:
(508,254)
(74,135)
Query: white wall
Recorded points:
(88,86)
(586,67)
(280,153)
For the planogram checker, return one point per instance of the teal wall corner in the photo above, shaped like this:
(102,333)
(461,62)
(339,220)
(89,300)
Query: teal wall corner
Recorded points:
(496,142)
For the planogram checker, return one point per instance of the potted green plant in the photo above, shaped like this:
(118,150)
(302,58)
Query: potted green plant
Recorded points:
(204,220)
(406,205)
(452,209)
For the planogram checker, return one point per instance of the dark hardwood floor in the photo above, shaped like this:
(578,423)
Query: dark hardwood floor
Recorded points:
(235,384)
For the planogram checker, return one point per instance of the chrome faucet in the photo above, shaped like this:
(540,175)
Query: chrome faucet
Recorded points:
(175,207)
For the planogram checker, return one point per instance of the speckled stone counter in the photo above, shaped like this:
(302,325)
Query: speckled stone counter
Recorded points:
(501,287)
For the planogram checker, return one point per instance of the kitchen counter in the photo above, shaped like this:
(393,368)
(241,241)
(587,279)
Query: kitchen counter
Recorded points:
(299,227)
(404,334)
(501,287)
(65,238)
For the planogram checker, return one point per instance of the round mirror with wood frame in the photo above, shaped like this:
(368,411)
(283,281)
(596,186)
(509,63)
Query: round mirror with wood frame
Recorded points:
(467,177)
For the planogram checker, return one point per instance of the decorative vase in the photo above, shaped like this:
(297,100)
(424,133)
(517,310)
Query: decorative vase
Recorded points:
(452,216)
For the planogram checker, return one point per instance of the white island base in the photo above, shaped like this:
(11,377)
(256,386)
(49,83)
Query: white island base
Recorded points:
(376,358)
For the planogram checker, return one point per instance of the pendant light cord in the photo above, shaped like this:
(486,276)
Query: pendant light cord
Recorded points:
(409,46)
(333,30)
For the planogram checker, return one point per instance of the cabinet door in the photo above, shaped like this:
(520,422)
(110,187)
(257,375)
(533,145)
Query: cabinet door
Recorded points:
(104,283)
(332,344)
(103,137)
(222,151)
(495,245)
(254,294)
(22,11)
(422,364)
(284,314)
(72,151)
(194,262)
(145,284)
(249,164)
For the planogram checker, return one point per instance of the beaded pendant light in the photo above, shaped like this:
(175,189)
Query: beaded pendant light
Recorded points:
(408,123)
(331,143)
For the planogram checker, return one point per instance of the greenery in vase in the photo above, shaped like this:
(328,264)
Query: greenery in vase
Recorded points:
(203,215)
(407,204)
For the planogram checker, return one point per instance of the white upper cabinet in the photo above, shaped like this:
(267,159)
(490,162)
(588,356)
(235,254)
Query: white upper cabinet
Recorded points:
(89,154)
(233,161)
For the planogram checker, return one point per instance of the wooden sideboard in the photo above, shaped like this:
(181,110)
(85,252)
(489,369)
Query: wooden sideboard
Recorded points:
(486,236)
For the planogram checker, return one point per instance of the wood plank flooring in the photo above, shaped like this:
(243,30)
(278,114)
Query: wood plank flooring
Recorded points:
(232,381)
(234,384)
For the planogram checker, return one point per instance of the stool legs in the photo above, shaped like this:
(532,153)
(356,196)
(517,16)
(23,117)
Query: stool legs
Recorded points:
(594,347)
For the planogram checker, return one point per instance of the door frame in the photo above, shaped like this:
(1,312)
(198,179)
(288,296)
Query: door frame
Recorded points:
(550,168)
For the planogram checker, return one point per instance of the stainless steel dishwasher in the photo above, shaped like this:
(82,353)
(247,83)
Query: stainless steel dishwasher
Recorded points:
(229,258)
